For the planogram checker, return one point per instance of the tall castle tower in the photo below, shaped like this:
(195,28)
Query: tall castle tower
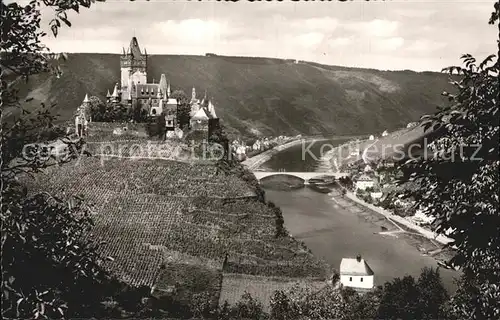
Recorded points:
(133,66)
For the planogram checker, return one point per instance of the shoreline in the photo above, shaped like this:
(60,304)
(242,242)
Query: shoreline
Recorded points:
(256,161)
(442,239)
(426,243)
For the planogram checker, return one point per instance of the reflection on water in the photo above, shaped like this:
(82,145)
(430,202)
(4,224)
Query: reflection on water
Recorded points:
(333,233)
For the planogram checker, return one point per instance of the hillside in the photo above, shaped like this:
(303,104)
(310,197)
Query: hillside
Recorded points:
(182,229)
(262,95)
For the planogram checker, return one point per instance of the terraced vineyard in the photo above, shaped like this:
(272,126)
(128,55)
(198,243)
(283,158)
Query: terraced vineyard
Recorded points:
(235,285)
(166,224)
(144,176)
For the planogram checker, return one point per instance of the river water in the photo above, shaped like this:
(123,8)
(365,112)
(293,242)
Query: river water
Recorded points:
(333,233)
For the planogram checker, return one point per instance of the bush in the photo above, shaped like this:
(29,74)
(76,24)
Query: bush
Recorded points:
(279,220)
(247,308)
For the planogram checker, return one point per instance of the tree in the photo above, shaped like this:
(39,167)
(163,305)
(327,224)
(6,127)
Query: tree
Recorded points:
(432,294)
(304,303)
(97,109)
(49,267)
(138,114)
(398,299)
(183,108)
(459,185)
(279,220)
(361,306)
(409,299)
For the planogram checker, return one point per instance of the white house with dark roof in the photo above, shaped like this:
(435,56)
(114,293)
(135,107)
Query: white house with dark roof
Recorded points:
(356,273)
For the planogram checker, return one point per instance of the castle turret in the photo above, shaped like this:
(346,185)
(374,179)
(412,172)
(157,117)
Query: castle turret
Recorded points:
(168,89)
(193,95)
(115,96)
(86,99)
(211,109)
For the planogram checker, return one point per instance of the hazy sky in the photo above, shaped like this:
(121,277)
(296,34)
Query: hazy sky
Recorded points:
(397,34)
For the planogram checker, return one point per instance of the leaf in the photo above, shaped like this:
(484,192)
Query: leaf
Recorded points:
(18,302)
(54,30)
(66,21)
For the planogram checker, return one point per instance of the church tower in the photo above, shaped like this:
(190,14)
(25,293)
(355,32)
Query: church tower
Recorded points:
(133,66)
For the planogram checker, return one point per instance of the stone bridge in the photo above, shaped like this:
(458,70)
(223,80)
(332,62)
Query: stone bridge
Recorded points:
(306,176)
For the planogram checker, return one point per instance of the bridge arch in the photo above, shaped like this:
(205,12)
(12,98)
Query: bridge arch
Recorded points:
(281,174)
(305,176)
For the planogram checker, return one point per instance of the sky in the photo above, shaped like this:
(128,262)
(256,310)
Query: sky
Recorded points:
(389,35)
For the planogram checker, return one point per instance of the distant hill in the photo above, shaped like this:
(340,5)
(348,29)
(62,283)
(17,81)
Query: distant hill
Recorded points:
(261,95)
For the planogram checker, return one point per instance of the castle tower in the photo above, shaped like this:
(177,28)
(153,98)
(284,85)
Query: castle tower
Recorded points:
(163,86)
(82,117)
(193,95)
(133,65)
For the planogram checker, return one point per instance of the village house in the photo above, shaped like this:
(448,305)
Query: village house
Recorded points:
(421,218)
(376,196)
(256,146)
(364,182)
(356,274)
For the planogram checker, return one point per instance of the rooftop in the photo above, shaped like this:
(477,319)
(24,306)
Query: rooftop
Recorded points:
(365,177)
(355,267)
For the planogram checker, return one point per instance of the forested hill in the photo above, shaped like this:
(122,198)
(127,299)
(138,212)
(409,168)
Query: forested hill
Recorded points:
(262,95)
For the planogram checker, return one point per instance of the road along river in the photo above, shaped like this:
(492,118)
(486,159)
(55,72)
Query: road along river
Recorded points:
(333,229)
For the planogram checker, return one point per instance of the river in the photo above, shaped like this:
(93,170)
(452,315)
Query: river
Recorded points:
(333,233)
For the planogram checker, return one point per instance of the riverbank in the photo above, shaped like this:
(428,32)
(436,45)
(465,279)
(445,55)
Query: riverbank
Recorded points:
(332,159)
(336,230)
(256,161)
(425,241)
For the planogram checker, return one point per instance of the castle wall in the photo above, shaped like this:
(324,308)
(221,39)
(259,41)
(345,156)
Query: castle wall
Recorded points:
(139,77)
(125,74)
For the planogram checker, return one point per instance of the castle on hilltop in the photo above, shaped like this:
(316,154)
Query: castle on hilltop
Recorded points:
(134,91)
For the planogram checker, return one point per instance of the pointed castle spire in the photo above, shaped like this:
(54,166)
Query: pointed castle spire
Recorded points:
(193,94)
(108,95)
(115,91)
(86,99)
(134,48)
(168,89)
(211,109)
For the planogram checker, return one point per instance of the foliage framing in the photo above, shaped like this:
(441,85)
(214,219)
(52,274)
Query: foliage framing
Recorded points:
(459,184)
(40,230)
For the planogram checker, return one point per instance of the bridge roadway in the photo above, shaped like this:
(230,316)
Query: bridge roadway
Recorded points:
(306,176)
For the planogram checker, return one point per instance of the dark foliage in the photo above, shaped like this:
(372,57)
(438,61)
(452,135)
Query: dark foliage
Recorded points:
(183,109)
(459,185)
(279,221)
(409,299)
